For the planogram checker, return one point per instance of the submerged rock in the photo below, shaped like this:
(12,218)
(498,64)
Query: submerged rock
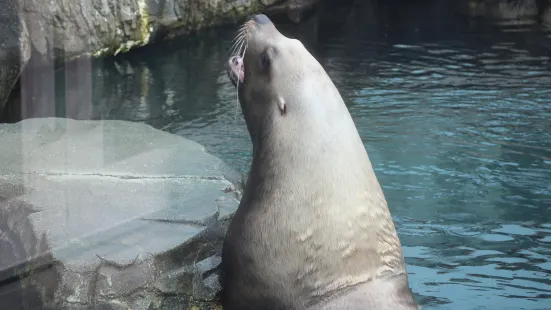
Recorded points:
(109,215)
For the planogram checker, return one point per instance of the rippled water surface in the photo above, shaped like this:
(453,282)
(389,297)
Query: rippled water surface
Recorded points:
(456,118)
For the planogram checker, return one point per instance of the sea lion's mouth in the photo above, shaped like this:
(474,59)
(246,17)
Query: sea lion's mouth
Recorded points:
(235,67)
(236,70)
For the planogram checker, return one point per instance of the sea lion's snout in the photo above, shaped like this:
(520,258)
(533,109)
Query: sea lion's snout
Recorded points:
(235,65)
(261,19)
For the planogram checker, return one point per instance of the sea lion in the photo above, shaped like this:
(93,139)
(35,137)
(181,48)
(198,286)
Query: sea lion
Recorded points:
(313,230)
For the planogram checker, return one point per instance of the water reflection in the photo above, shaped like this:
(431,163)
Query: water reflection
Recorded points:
(454,112)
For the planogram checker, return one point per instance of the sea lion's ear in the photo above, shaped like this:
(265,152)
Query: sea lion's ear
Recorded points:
(281,104)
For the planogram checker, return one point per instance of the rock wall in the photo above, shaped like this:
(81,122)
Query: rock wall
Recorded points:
(56,31)
(538,10)
(14,47)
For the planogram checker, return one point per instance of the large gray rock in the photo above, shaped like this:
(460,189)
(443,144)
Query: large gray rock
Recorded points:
(109,215)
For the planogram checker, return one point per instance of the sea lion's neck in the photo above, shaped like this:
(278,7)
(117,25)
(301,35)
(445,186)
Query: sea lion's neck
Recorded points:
(288,148)
(319,170)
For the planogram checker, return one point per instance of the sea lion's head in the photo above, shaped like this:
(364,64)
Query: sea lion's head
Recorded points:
(275,75)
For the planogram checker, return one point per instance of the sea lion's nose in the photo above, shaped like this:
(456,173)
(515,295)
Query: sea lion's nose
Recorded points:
(261,19)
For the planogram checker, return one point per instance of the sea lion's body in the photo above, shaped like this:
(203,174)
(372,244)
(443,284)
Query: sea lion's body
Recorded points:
(313,230)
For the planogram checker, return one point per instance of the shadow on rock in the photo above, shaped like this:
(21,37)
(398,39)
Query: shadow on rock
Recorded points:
(27,280)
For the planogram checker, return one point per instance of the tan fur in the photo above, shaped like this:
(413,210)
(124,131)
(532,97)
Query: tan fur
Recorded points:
(313,219)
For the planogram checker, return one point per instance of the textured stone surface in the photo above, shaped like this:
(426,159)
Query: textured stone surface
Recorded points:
(100,27)
(57,31)
(14,47)
(109,215)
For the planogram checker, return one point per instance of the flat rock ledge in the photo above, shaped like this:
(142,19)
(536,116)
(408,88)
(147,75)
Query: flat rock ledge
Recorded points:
(109,215)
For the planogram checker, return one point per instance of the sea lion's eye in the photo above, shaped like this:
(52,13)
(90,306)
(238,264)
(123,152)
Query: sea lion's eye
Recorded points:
(265,58)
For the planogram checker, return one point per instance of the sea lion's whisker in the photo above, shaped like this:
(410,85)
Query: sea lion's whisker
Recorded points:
(243,36)
(230,51)
(235,41)
(246,45)
(237,45)
(240,30)
(240,36)
(236,102)
(236,37)
(241,47)
(242,54)
(234,45)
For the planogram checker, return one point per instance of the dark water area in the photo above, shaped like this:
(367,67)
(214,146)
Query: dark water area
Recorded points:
(455,114)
